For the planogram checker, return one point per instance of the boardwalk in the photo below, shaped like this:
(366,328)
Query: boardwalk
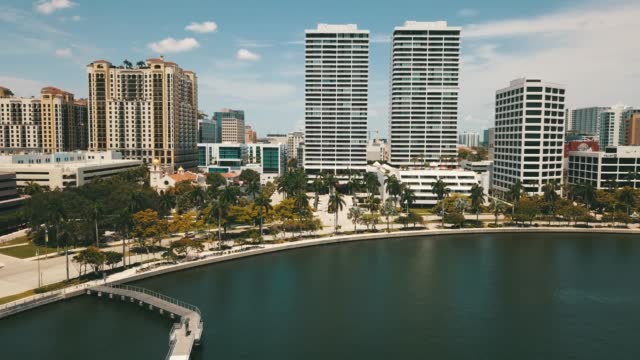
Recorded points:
(185,333)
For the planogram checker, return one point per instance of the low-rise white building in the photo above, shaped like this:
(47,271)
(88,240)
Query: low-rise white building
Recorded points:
(270,160)
(61,170)
(597,167)
(420,180)
(162,178)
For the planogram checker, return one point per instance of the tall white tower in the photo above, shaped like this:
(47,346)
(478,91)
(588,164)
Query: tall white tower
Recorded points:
(425,62)
(336,98)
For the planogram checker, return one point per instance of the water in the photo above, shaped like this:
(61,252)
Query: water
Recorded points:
(524,296)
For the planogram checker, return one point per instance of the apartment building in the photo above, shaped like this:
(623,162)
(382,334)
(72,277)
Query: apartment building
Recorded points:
(425,65)
(145,112)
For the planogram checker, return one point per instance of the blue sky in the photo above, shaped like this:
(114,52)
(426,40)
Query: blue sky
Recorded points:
(248,54)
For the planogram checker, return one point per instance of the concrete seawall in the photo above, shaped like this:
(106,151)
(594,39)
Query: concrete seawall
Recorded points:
(121,278)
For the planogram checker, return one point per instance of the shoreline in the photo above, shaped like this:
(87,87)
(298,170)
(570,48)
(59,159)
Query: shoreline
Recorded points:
(131,275)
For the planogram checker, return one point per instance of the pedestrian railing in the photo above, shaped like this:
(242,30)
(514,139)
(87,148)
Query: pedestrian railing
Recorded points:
(155,294)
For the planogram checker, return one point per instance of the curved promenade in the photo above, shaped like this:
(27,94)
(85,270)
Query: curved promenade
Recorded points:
(210,257)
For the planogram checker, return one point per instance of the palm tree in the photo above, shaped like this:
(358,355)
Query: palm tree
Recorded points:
(407,196)
(587,194)
(632,176)
(317,186)
(354,185)
(611,184)
(264,205)
(388,210)
(140,64)
(336,204)
(127,64)
(440,189)
(477,199)
(626,196)
(371,183)
(496,208)
(330,181)
(252,188)
(392,184)
(167,202)
(550,197)
(355,213)
(67,232)
(197,196)
(302,203)
(514,194)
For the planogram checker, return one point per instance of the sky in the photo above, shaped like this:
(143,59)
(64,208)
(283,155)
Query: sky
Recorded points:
(249,54)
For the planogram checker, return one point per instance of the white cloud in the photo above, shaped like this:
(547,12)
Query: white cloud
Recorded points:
(22,87)
(580,48)
(246,55)
(467,12)
(49,6)
(171,45)
(243,43)
(203,27)
(66,52)
(76,18)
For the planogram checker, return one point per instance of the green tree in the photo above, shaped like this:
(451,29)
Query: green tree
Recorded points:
(112,258)
(407,196)
(335,205)
(92,257)
(454,218)
(627,198)
(355,214)
(392,185)
(550,196)
(440,189)
(263,203)
(388,210)
(477,199)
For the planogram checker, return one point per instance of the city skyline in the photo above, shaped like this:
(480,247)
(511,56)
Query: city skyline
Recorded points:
(264,75)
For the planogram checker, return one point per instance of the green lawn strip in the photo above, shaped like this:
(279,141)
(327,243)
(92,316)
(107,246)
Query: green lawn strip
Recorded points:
(10,298)
(26,251)
(16,241)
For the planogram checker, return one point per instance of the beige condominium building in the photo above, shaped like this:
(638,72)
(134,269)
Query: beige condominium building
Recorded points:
(148,111)
(53,122)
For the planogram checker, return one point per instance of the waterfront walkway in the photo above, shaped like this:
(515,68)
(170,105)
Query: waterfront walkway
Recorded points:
(185,334)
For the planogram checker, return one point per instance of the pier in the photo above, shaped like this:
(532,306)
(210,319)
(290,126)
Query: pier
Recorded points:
(185,333)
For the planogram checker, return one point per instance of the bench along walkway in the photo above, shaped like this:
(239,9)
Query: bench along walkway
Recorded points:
(186,333)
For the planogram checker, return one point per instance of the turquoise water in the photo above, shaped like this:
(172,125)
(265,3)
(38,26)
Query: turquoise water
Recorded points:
(523,296)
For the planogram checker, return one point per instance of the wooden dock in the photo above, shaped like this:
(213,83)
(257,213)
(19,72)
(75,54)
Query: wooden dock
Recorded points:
(184,335)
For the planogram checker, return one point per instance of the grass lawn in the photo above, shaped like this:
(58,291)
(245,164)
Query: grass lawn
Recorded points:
(25,251)
(16,241)
(15,297)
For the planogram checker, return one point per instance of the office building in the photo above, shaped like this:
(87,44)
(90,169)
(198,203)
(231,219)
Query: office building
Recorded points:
(570,121)
(250,136)
(469,139)
(600,168)
(612,127)
(233,120)
(294,139)
(145,112)
(61,170)
(207,131)
(50,123)
(586,120)
(270,160)
(529,133)
(632,128)
(10,200)
(420,181)
(336,98)
(377,150)
(424,92)
(491,143)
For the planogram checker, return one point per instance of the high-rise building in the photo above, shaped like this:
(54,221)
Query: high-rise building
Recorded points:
(336,98)
(250,136)
(233,131)
(529,133)
(81,129)
(294,139)
(586,120)
(570,121)
(51,123)
(491,143)
(235,116)
(612,127)
(632,128)
(145,112)
(469,139)
(424,92)
(485,137)
(207,131)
